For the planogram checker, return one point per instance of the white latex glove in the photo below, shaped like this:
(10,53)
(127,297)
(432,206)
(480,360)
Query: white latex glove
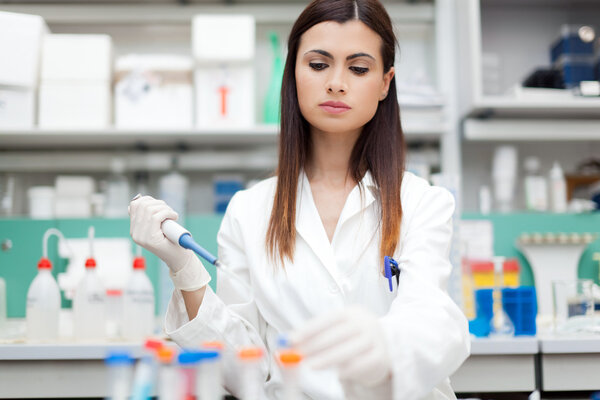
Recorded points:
(146,216)
(350,340)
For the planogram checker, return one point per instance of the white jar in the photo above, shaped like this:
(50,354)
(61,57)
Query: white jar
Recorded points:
(41,202)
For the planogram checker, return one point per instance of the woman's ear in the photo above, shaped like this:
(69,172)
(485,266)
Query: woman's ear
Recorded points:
(387,79)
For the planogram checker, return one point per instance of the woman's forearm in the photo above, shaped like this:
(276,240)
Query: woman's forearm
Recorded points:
(193,300)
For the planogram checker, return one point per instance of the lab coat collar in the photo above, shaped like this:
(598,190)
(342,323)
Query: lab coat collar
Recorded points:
(310,226)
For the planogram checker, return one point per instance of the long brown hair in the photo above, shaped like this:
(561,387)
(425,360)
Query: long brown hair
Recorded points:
(379,149)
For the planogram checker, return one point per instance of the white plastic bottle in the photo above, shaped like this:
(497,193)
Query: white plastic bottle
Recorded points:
(536,188)
(43,304)
(118,193)
(138,302)
(558,189)
(89,305)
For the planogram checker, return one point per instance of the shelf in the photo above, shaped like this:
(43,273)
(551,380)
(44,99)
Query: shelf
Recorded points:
(115,138)
(498,129)
(166,14)
(573,107)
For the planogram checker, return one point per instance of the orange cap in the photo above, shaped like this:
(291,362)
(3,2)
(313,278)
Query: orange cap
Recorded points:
(166,354)
(250,353)
(90,263)
(289,357)
(213,345)
(44,263)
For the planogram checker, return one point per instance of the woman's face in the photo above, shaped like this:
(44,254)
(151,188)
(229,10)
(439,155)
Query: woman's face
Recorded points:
(339,76)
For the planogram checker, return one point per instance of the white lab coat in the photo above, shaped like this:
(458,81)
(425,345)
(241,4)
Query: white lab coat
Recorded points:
(426,332)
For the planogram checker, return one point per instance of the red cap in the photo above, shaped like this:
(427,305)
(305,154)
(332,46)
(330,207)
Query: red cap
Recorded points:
(153,344)
(511,265)
(114,292)
(44,263)
(139,263)
(90,263)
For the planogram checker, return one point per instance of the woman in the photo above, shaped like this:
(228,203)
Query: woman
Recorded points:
(310,242)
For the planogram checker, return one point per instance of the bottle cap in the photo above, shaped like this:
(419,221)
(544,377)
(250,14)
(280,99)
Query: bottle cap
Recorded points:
(213,345)
(153,344)
(90,263)
(139,263)
(188,357)
(289,357)
(250,353)
(44,263)
(166,354)
(118,359)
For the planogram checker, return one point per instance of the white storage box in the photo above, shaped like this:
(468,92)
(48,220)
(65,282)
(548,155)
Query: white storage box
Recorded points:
(20,48)
(218,38)
(77,58)
(17,108)
(154,92)
(86,106)
(224,97)
(72,185)
(72,207)
(41,202)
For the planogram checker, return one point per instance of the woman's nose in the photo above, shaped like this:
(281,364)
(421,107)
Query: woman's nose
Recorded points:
(337,83)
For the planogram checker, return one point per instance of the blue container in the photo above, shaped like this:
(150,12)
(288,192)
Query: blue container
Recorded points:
(576,69)
(519,303)
(570,43)
(224,189)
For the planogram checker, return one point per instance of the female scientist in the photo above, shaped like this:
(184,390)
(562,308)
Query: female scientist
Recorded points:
(310,242)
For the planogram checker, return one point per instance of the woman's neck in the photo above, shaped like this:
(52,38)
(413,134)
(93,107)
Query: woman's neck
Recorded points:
(329,160)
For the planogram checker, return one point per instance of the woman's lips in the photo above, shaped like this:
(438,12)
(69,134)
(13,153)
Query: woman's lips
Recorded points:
(334,107)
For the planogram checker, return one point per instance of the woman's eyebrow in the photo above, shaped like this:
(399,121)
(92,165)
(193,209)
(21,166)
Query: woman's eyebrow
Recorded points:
(350,57)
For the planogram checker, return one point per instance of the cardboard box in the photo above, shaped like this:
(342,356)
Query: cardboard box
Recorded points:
(224,97)
(223,38)
(17,108)
(75,106)
(154,92)
(77,58)
(21,38)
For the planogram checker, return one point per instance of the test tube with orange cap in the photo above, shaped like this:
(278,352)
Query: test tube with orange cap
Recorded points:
(168,377)
(211,372)
(252,381)
(289,360)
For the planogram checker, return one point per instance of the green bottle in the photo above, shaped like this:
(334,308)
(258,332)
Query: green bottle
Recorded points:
(271,104)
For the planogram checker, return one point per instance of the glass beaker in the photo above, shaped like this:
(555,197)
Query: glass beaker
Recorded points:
(573,303)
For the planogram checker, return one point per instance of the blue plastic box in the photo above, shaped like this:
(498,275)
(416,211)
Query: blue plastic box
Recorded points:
(570,43)
(576,69)
(519,303)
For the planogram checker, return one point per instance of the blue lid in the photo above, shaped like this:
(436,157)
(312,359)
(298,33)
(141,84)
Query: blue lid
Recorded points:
(209,355)
(118,358)
(188,357)
(283,340)
(193,357)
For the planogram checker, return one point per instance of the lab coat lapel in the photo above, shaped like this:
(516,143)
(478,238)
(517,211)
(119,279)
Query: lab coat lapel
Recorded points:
(357,202)
(310,227)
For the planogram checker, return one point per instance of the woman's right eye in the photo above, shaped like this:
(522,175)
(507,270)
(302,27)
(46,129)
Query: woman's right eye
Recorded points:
(318,66)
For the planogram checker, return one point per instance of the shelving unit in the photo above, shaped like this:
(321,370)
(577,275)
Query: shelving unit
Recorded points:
(553,125)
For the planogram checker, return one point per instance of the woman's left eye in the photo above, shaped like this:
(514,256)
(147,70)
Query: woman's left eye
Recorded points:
(359,70)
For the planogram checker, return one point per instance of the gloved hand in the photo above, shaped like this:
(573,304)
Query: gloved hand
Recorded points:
(350,340)
(146,216)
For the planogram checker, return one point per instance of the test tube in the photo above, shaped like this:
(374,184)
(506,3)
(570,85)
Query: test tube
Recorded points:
(208,380)
(145,371)
(188,367)
(168,379)
(219,361)
(252,382)
(119,375)
(289,360)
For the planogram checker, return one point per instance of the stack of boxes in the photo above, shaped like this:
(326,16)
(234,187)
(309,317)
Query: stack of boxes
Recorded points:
(76,79)
(573,54)
(223,51)
(21,38)
(154,91)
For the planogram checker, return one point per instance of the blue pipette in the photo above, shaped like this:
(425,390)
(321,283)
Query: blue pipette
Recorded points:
(181,236)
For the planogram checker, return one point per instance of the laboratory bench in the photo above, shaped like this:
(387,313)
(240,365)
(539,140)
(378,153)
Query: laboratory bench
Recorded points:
(520,364)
